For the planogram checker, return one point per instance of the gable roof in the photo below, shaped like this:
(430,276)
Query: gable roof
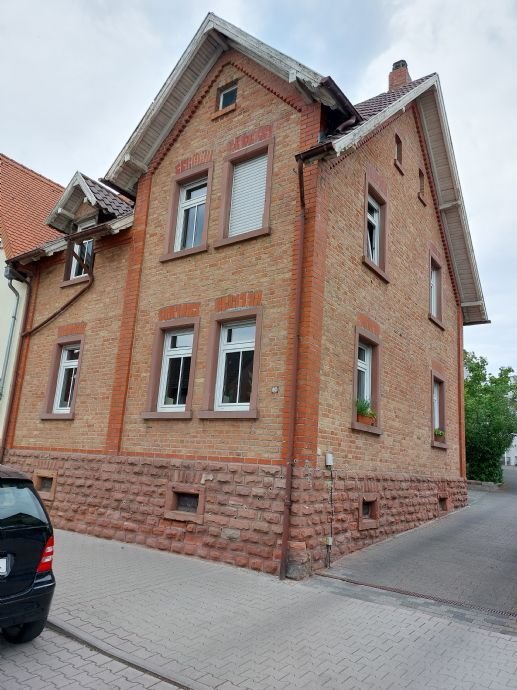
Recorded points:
(426,93)
(213,37)
(82,188)
(25,200)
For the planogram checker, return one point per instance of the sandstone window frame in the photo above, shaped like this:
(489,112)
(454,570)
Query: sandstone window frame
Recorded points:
(374,343)
(37,479)
(217,322)
(178,183)
(397,161)
(371,521)
(438,407)
(62,344)
(376,191)
(247,154)
(171,511)
(435,289)
(162,329)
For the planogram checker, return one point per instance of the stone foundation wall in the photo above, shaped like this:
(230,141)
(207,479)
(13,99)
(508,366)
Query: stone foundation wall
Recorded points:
(239,520)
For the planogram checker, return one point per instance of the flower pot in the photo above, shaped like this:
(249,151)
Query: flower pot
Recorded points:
(439,439)
(365,419)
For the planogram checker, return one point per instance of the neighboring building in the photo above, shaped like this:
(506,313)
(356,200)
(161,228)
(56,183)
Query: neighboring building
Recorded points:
(25,201)
(289,254)
(510,454)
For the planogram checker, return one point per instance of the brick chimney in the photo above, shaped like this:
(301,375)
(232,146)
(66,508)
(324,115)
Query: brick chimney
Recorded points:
(399,75)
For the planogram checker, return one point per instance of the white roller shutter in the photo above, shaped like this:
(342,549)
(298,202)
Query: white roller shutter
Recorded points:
(248,195)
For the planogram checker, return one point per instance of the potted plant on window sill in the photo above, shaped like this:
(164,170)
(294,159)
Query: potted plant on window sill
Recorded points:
(365,414)
(439,435)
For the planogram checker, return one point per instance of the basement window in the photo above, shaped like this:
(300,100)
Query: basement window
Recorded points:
(368,511)
(443,504)
(45,483)
(185,502)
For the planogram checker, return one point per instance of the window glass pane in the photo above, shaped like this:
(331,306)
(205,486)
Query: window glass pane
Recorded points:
(183,387)
(72,354)
(361,353)
(372,241)
(371,210)
(198,230)
(228,97)
(189,225)
(181,340)
(246,376)
(241,333)
(67,388)
(197,192)
(231,377)
(436,404)
(173,379)
(361,385)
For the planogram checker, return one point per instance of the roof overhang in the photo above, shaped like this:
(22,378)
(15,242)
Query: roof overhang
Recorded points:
(58,245)
(76,193)
(429,100)
(213,37)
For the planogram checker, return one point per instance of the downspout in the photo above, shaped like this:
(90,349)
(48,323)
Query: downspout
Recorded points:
(15,368)
(294,381)
(7,354)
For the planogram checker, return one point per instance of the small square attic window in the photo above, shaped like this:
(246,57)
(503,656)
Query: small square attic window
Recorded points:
(227,96)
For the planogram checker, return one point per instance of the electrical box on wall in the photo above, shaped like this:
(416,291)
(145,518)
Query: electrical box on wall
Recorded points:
(329,459)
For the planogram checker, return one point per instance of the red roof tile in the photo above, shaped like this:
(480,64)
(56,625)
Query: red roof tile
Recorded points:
(26,198)
(375,105)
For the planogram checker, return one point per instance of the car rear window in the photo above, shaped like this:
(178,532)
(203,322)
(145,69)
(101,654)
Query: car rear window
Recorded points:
(19,506)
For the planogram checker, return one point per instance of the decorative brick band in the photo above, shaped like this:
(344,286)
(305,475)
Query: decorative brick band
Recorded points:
(364,321)
(244,299)
(71,329)
(179,311)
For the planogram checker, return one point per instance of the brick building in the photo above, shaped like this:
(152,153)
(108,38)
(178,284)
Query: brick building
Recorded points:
(290,261)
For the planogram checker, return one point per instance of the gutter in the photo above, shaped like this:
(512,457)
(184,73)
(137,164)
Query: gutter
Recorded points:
(293,406)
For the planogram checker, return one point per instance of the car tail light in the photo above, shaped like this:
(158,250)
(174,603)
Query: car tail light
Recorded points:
(45,563)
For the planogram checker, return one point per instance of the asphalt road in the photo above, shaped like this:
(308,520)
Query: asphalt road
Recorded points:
(469,556)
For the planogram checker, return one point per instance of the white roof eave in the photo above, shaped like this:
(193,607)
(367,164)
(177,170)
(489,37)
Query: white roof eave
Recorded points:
(468,277)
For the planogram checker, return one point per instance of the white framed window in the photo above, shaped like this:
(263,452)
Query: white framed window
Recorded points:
(373,230)
(435,283)
(234,379)
(364,372)
(228,96)
(191,214)
(66,378)
(85,251)
(248,195)
(437,403)
(175,371)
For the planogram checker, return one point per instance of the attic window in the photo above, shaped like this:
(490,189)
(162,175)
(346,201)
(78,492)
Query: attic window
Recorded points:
(227,96)
(398,154)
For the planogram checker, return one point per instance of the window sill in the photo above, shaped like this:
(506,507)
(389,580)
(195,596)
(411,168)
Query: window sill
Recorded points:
(57,415)
(183,516)
(398,166)
(74,281)
(436,321)
(186,414)
(376,269)
(223,111)
(227,414)
(421,199)
(242,237)
(375,430)
(183,252)
(439,444)
(368,524)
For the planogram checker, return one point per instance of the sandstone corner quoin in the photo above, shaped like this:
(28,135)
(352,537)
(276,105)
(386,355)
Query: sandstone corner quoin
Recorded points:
(262,259)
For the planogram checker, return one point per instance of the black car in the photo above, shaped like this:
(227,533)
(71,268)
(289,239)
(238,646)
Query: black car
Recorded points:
(26,550)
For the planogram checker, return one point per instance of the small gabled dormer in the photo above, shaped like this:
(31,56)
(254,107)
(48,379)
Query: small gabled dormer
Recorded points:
(86,210)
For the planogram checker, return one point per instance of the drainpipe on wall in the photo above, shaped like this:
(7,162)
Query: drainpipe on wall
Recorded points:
(7,353)
(12,274)
(294,382)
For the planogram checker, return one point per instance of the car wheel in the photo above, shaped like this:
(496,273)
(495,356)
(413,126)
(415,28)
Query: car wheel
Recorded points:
(18,634)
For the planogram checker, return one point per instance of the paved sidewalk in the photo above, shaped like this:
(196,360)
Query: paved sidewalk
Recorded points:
(216,626)
(469,556)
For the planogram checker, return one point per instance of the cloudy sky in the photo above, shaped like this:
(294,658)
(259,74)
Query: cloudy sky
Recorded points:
(76,77)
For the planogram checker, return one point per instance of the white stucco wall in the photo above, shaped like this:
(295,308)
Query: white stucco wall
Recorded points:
(7,303)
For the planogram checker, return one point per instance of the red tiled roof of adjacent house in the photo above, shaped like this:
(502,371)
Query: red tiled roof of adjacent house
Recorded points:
(25,201)
(377,104)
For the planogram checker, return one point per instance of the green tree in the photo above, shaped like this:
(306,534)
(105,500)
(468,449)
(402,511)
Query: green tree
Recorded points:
(490,417)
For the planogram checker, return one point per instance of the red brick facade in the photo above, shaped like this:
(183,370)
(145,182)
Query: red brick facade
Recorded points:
(115,465)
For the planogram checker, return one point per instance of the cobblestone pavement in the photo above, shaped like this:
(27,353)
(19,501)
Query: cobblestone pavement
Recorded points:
(209,625)
(55,661)
(468,556)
